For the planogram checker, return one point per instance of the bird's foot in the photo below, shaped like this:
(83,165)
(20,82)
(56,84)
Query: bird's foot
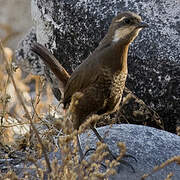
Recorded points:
(115,158)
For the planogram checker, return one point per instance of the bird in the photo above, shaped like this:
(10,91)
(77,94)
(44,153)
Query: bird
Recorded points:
(96,86)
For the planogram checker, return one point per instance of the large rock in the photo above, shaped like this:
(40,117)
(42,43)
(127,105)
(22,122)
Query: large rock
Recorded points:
(151,147)
(72,30)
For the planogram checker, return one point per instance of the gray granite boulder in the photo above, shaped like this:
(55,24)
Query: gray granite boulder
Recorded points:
(72,30)
(149,146)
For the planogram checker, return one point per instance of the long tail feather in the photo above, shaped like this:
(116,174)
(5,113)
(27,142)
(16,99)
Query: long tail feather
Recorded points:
(51,62)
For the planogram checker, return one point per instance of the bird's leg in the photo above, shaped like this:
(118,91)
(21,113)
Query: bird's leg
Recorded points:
(80,149)
(121,161)
(102,140)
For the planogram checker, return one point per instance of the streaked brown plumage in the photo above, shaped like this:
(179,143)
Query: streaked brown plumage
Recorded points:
(101,77)
(98,83)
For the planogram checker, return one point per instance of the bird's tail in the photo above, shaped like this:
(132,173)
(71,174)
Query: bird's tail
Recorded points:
(51,62)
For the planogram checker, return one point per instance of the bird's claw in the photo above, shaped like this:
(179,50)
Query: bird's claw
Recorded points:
(115,158)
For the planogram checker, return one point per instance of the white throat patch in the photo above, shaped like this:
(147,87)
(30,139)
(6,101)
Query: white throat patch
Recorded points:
(123,32)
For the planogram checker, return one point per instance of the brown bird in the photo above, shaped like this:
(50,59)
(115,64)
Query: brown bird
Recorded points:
(97,84)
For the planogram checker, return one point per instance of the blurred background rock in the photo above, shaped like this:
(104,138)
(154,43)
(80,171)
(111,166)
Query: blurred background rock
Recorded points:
(15,21)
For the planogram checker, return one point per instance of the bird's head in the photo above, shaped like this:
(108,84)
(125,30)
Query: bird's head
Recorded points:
(125,27)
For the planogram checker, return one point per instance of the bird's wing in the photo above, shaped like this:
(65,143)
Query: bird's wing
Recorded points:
(82,77)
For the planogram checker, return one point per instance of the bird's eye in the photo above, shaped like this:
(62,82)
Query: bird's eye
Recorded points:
(127,21)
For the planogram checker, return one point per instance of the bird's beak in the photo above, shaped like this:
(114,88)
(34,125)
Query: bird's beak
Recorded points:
(142,25)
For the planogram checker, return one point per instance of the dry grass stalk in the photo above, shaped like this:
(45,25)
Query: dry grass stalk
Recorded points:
(71,167)
(8,69)
(169,176)
(175,159)
(178,130)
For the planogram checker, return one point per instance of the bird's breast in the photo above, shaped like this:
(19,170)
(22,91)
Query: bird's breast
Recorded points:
(112,86)
(117,85)
(113,83)
(116,90)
